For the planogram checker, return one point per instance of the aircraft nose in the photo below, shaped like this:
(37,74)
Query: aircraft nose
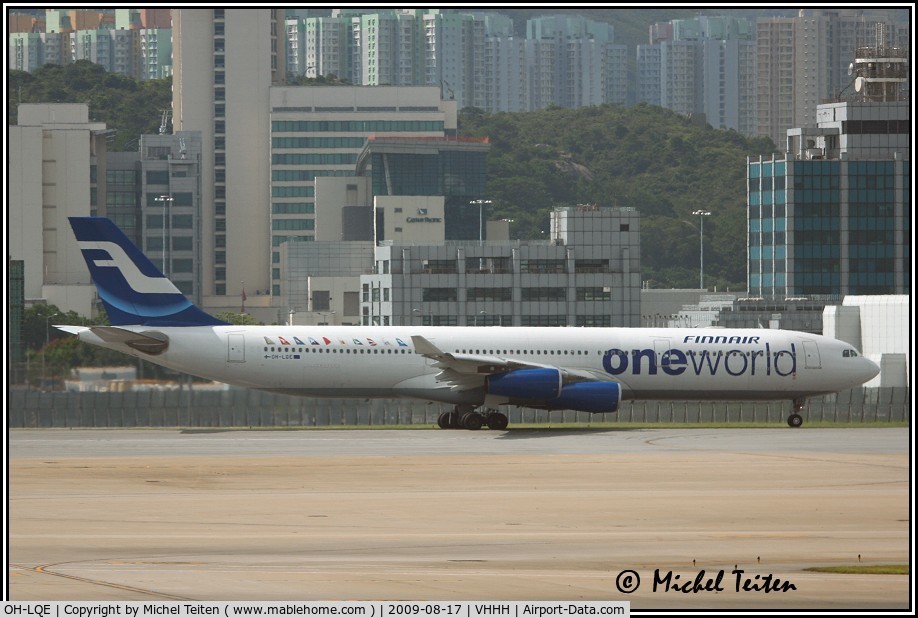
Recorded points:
(870,369)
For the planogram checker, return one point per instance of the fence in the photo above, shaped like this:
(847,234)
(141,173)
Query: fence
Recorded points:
(248,408)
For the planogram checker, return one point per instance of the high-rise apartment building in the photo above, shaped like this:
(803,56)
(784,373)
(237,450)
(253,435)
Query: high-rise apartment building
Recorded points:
(581,69)
(132,42)
(775,84)
(155,58)
(26,51)
(472,56)
(319,46)
(649,77)
(704,66)
(803,61)
(506,75)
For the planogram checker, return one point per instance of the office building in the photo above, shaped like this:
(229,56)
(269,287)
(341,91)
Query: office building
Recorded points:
(322,280)
(832,214)
(170,203)
(452,168)
(320,133)
(588,274)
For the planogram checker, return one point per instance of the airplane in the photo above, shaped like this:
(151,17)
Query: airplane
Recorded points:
(477,370)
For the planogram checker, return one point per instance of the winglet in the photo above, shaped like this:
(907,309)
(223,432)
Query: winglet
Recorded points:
(131,287)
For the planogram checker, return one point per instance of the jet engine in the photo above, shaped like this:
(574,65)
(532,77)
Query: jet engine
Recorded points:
(528,384)
(544,388)
(589,397)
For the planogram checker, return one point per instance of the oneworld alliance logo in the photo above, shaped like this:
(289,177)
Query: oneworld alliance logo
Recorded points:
(675,362)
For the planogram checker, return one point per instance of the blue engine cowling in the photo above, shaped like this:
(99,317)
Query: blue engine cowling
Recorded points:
(589,397)
(529,384)
(542,388)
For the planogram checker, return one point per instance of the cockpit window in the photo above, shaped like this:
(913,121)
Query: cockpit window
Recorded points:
(849,353)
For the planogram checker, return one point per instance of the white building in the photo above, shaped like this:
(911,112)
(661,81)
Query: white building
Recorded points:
(50,178)
(880,327)
(225,62)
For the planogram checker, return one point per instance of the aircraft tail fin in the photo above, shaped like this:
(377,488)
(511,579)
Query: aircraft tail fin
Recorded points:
(132,288)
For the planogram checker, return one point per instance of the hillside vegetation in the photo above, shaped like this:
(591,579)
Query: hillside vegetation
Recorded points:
(643,157)
(133,107)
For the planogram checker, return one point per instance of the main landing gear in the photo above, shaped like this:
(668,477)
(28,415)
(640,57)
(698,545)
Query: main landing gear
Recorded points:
(795,420)
(465,417)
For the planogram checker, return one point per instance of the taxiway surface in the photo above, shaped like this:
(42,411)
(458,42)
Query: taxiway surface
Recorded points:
(457,515)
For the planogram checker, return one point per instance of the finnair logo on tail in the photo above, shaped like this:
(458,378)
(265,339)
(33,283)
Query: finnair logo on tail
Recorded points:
(139,282)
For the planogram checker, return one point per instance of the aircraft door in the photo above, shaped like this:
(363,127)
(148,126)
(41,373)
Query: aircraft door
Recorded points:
(811,354)
(235,352)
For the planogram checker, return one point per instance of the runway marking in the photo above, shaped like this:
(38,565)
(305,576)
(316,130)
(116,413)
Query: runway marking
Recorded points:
(153,562)
(653,442)
(43,569)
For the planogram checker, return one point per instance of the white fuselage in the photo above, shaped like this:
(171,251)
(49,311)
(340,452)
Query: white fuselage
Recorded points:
(649,363)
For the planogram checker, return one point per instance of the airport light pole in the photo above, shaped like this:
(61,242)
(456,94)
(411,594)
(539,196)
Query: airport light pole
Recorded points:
(167,203)
(481,204)
(701,214)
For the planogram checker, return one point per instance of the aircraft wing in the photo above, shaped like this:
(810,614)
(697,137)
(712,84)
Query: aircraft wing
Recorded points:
(468,371)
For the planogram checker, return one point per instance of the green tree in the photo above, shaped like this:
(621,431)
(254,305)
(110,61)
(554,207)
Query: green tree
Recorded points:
(131,107)
(238,319)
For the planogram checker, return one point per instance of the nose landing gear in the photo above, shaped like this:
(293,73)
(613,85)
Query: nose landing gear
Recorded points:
(465,417)
(795,420)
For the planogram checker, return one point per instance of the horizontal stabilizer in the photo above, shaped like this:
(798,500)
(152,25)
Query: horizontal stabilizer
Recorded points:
(150,342)
(73,330)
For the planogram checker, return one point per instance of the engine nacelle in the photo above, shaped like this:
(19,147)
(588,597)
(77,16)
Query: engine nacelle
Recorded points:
(530,384)
(589,397)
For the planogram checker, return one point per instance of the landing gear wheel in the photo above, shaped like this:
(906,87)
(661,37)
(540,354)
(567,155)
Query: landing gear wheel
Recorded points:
(448,420)
(472,420)
(794,420)
(498,421)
